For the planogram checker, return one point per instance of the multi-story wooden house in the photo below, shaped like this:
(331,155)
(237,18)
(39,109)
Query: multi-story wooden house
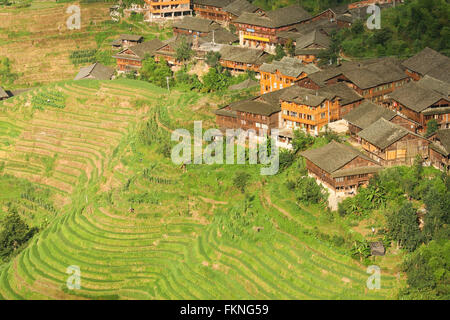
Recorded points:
(168,9)
(130,59)
(428,62)
(212,9)
(421,104)
(261,112)
(238,7)
(194,26)
(373,79)
(260,30)
(308,110)
(127,40)
(348,98)
(367,113)
(340,167)
(311,45)
(440,150)
(284,73)
(390,144)
(239,59)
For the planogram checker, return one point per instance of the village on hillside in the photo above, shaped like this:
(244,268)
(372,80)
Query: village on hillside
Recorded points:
(283,73)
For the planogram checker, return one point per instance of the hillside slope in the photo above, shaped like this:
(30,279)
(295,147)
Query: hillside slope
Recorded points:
(184,238)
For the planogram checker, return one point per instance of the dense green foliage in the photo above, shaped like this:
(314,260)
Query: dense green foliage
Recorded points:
(6,74)
(405,30)
(158,73)
(428,271)
(14,234)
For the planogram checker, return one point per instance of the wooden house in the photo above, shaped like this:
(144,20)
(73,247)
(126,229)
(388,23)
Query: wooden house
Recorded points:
(368,112)
(212,9)
(236,8)
(390,144)
(308,110)
(309,46)
(428,62)
(284,73)
(127,40)
(348,98)
(130,59)
(440,150)
(261,112)
(340,167)
(194,26)
(168,9)
(95,71)
(239,59)
(260,30)
(421,104)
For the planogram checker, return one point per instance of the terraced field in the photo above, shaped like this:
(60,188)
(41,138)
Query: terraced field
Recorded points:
(139,227)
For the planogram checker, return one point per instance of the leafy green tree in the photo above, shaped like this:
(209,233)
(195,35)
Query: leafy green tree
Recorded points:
(216,79)
(301,141)
(309,192)
(279,52)
(156,72)
(6,75)
(241,180)
(184,51)
(15,233)
(212,59)
(404,228)
(290,47)
(437,218)
(428,271)
(432,127)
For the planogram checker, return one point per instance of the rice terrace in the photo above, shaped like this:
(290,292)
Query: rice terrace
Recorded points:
(92,206)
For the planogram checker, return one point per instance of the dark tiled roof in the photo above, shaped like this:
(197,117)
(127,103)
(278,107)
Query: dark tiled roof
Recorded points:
(221,35)
(304,96)
(256,107)
(435,84)
(415,97)
(142,49)
(427,61)
(96,71)
(333,156)
(367,113)
(238,7)
(130,37)
(315,37)
(275,19)
(243,55)
(444,137)
(249,83)
(346,94)
(3,93)
(383,133)
(290,67)
(213,3)
(196,24)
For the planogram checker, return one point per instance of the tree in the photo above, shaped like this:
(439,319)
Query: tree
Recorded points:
(428,272)
(212,59)
(290,47)
(216,79)
(309,192)
(14,235)
(301,141)
(279,52)
(432,127)
(241,180)
(156,72)
(403,227)
(184,51)
(6,75)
